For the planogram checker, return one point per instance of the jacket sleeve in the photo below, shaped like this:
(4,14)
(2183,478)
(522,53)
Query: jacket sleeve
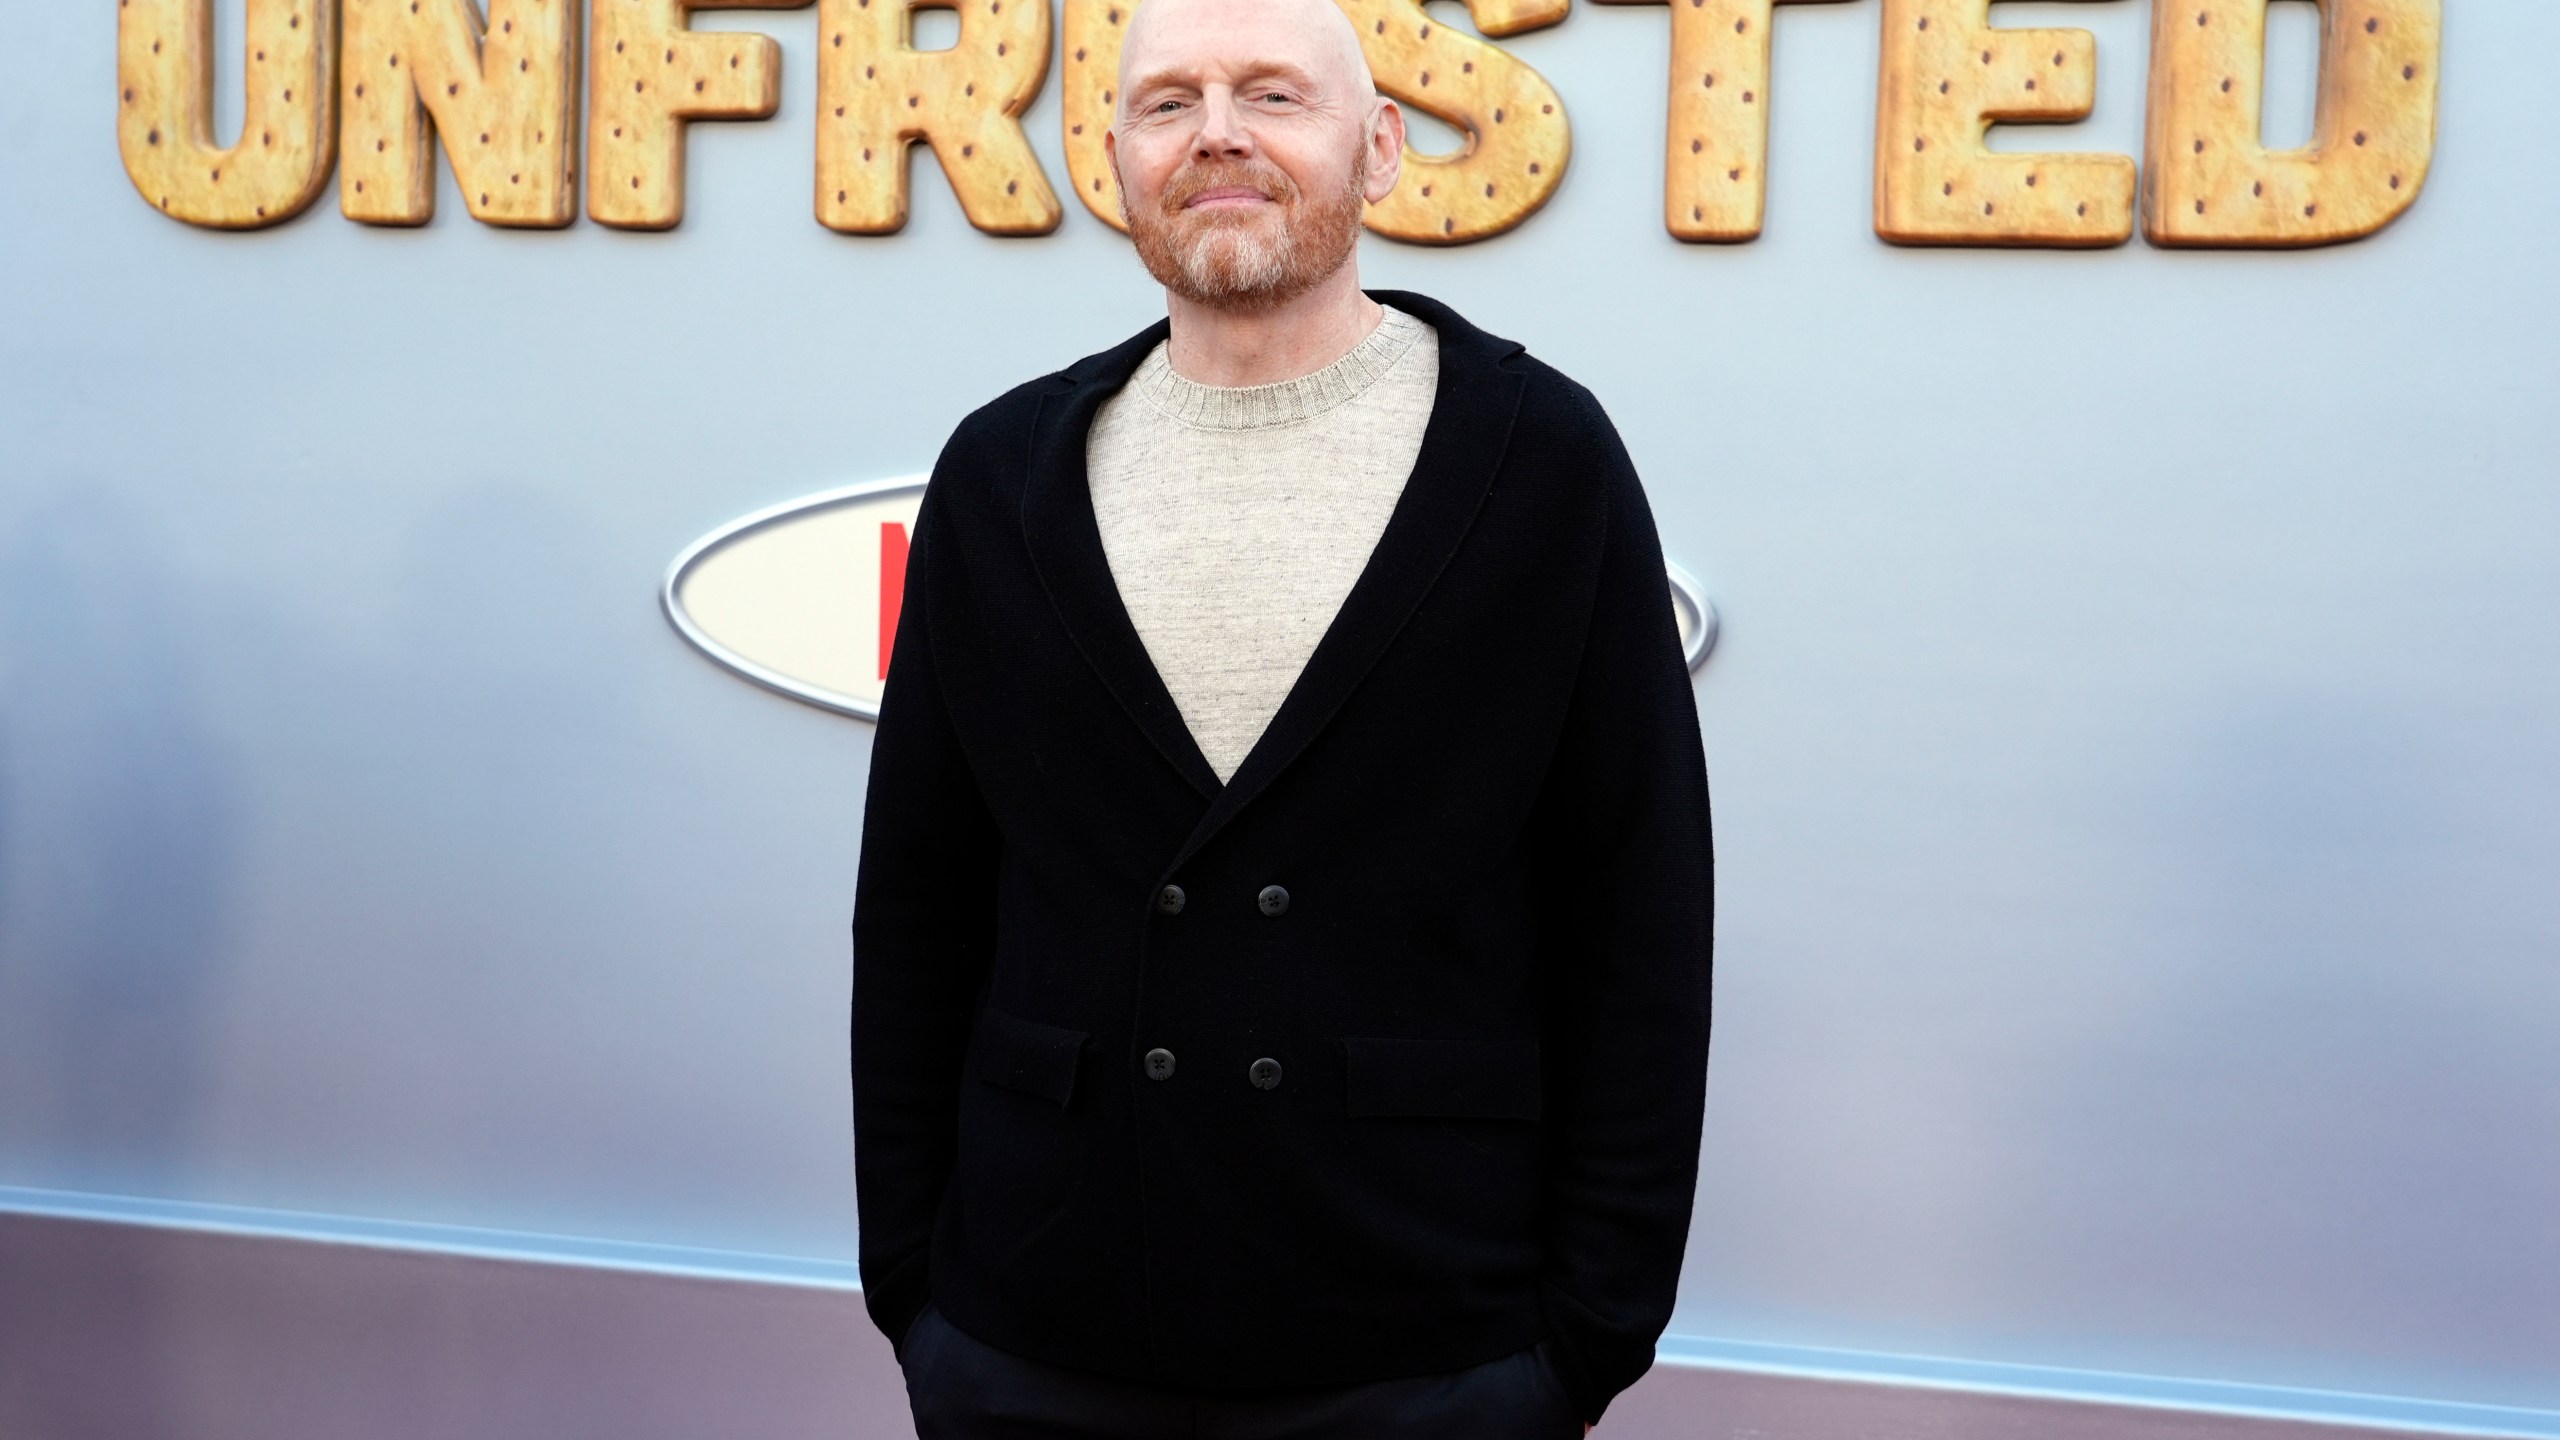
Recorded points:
(1627,919)
(923,929)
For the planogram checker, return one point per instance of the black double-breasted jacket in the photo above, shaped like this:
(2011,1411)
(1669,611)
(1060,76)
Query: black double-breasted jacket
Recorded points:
(1388,1055)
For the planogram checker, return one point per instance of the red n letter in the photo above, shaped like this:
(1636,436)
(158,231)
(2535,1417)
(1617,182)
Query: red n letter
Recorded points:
(893,586)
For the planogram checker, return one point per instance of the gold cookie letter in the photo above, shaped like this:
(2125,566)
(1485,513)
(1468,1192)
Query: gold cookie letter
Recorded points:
(164,115)
(2210,182)
(1517,138)
(1946,76)
(1094,30)
(501,99)
(1715,183)
(877,94)
(652,74)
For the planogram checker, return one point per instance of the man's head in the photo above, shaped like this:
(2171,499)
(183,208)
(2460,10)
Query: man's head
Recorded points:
(1248,138)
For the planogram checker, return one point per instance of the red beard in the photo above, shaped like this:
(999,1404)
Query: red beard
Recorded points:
(1249,259)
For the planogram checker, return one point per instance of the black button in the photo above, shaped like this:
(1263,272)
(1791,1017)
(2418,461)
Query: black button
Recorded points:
(1169,899)
(1273,899)
(1159,1064)
(1264,1073)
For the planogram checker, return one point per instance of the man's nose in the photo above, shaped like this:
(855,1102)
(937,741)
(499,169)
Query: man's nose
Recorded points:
(1222,125)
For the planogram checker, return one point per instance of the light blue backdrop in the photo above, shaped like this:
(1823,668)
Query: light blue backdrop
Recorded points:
(2136,738)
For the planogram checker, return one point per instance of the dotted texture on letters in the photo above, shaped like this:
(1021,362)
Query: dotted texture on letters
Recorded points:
(653,76)
(2209,181)
(1715,170)
(1947,76)
(164,110)
(502,99)
(877,94)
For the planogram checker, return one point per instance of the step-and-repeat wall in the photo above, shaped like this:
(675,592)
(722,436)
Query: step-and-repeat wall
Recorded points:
(2132,727)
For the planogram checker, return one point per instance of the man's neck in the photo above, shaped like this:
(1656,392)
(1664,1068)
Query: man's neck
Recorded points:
(1263,347)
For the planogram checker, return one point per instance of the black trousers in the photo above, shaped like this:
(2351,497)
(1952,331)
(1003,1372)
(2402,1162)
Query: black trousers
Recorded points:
(965,1389)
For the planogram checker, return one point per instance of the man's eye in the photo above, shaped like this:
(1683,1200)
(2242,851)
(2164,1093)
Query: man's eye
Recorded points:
(1163,105)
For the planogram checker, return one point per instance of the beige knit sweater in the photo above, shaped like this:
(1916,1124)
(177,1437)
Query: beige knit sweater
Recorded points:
(1237,518)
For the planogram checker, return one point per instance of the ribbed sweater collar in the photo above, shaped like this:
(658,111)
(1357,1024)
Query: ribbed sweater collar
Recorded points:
(1284,402)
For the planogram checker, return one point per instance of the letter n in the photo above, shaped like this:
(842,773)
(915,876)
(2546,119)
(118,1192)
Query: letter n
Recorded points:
(501,98)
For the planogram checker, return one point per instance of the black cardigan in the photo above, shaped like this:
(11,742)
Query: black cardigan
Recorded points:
(1485,989)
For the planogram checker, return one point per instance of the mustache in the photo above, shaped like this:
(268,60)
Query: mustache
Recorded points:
(1195,180)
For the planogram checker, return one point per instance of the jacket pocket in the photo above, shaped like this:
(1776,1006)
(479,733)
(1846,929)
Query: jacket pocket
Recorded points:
(1470,1079)
(1012,1053)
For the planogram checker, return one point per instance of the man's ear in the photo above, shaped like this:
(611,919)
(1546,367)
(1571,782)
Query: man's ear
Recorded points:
(1111,158)
(1386,149)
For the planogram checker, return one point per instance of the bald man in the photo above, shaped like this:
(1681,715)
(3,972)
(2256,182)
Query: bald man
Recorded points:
(1281,950)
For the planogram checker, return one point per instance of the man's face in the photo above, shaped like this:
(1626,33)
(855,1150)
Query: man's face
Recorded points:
(1248,140)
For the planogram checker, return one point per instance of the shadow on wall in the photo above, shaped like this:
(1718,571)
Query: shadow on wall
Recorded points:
(118,822)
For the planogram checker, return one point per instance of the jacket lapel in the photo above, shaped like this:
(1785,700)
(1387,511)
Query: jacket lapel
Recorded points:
(1462,446)
(1066,546)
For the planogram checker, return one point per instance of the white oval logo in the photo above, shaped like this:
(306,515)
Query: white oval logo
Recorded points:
(802,597)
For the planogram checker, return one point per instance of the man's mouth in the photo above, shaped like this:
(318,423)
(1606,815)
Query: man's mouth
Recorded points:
(1226,197)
